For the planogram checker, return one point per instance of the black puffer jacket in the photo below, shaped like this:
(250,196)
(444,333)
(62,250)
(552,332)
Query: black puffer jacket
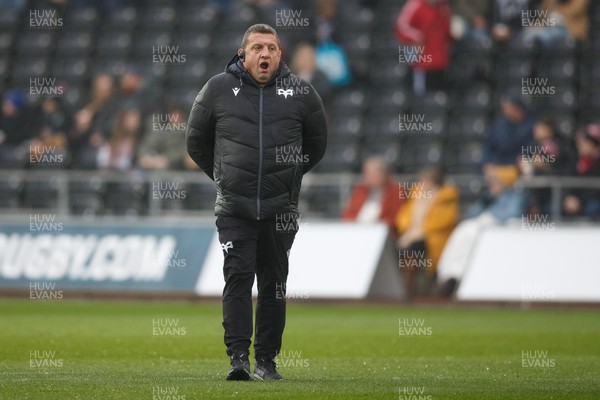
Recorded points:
(256,142)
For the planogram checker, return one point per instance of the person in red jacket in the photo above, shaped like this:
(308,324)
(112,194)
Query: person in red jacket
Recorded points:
(423,27)
(376,197)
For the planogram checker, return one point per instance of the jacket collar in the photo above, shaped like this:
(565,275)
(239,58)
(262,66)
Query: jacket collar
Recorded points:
(236,68)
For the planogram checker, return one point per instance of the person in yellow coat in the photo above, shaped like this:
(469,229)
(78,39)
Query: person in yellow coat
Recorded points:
(425,223)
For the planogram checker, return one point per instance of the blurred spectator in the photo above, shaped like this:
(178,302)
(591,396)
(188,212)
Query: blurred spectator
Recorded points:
(89,128)
(470,20)
(49,117)
(165,149)
(119,152)
(304,65)
(130,94)
(547,156)
(548,26)
(100,103)
(424,225)
(12,5)
(13,128)
(575,14)
(510,132)
(330,57)
(83,143)
(424,25)
(49,123)
(569,17)
(586,202)
(377,197)
(326,11)
(48,150)
(500,204)
(508,18)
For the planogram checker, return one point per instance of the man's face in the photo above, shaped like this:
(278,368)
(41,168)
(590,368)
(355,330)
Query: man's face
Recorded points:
(585,147)
(262,56)
(512,112)
(373,175)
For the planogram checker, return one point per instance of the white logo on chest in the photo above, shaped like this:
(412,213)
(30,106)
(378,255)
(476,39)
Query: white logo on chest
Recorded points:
(285,92)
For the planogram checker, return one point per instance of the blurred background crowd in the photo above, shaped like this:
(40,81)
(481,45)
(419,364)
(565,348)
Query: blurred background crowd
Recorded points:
(419,93)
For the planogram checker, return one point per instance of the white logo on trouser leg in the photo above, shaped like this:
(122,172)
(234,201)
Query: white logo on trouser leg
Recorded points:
(227,246)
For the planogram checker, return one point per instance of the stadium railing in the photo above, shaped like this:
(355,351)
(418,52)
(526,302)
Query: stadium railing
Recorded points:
(342,182)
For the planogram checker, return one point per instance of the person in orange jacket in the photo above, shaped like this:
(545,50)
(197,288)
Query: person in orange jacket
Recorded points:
(376,198)
(425,224)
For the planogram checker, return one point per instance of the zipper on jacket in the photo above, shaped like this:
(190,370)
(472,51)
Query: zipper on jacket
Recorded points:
(260,151)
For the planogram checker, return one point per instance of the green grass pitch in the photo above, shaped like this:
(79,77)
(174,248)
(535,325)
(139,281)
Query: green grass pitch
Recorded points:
(78,349)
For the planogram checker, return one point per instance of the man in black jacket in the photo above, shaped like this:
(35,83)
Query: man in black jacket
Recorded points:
(255,129)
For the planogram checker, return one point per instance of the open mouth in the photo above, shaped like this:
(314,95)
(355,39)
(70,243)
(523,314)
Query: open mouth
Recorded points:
(264,65)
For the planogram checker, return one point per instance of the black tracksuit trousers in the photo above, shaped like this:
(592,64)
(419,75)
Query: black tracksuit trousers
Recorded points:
(251,248)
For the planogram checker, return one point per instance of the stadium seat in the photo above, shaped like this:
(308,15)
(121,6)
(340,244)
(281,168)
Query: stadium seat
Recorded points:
(41,194)
(10,189)
(184,95)
(324,201)
(68,44)
(356,18)
(390,100)
(193,45)
(387,75)
(464,156)
(382,124)
(125,198)
(35,43)
(6,42)
(193,72)
(26,68)
(122,19)
(350,101)
(72,70)
(113,66)
(114,44)
(474,98)
(157,18)
(4,73)
(145,42)
(342,155)
(385,146)
(419,152)
(196,18)
(80,20)
(345,125)
(468,124)
(9,20)
(85,196)
(558,69)
(437,100)
(564,99)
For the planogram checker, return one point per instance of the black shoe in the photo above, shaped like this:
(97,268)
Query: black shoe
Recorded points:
(265,370)
(240,367)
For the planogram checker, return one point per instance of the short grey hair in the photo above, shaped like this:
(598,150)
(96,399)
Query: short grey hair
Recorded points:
(259,28)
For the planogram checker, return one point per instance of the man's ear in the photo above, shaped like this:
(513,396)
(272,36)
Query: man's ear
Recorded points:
(241,54)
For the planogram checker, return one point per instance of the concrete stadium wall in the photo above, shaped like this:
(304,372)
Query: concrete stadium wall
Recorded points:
(554,264)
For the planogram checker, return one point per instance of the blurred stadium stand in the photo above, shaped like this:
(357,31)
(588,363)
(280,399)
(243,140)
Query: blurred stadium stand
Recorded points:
(363,116)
